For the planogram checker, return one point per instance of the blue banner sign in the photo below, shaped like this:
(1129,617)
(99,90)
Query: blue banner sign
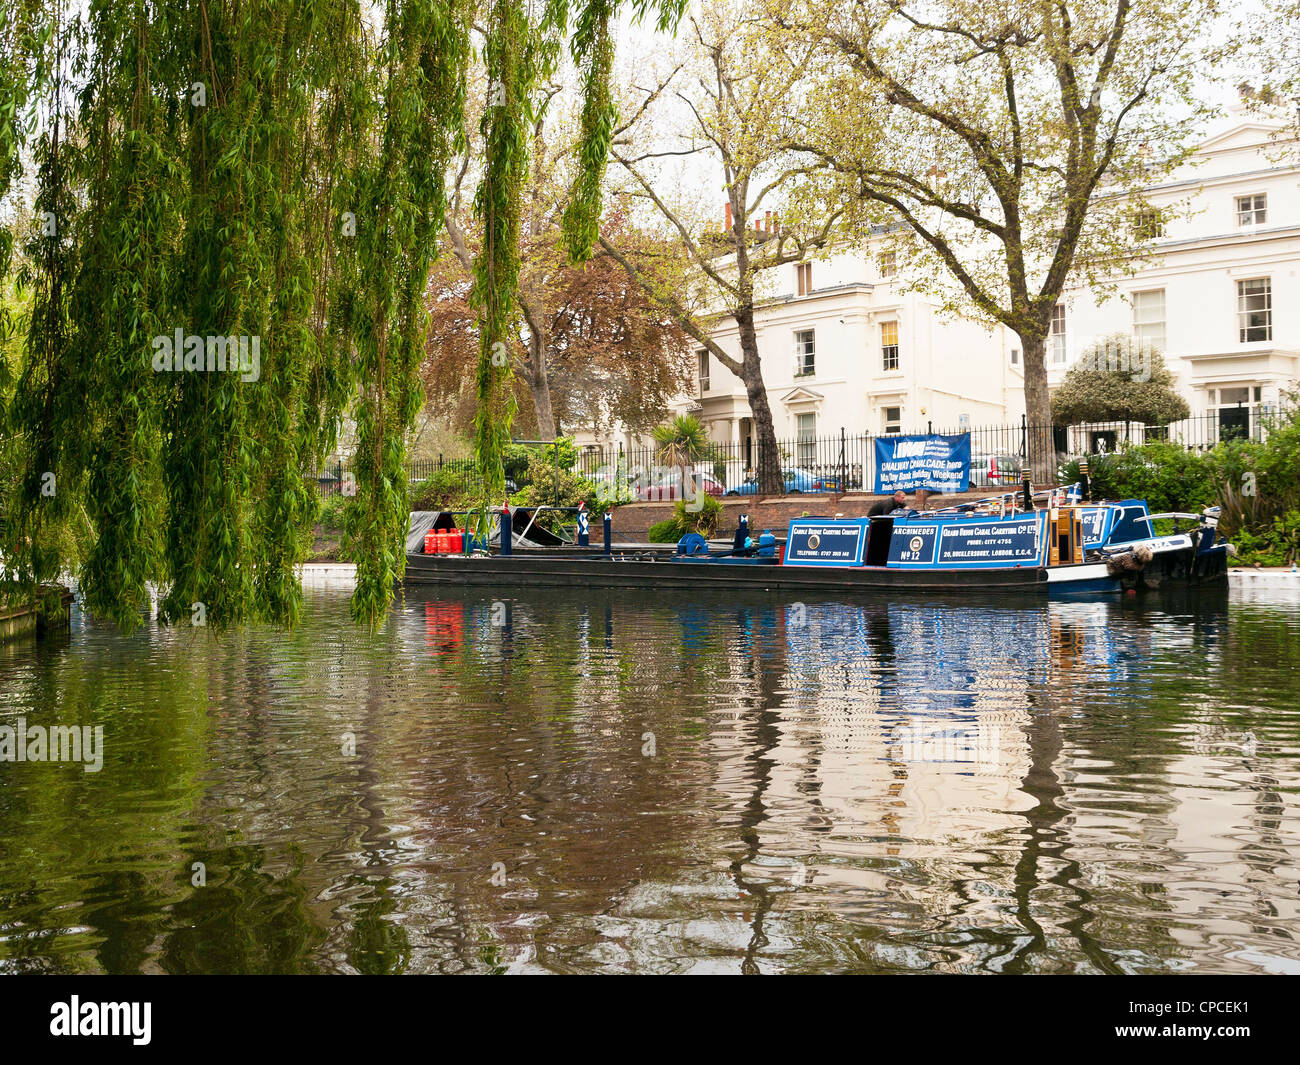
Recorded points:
(838,542)
(913,545)
(992,543)
(936,463)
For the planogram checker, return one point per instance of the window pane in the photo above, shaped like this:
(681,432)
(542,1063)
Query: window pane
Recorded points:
(889,345)
(1149,316)
(1058,334)
(1255,310)
(1252,210)
(804,352)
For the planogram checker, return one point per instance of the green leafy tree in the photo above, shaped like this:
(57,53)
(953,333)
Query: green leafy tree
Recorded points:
(265,169)
(738,85)
(1013,143)
(1119,379)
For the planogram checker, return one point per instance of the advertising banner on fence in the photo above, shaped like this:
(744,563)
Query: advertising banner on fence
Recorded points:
(937,463)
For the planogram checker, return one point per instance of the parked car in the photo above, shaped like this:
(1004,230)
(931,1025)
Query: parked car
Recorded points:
(994,471)
(796,481)
(668,485)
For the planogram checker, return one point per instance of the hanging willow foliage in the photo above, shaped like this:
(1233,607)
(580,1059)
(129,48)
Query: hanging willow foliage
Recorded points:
(238,205)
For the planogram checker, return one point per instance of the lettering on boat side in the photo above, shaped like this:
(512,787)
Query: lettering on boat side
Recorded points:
(1093,521)
(827,543)
(967,544)
(999,541)
(913,545)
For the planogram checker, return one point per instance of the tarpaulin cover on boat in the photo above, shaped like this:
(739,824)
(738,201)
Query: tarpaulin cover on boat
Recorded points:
(423,520)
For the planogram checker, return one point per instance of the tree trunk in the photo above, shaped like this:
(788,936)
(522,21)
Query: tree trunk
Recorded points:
(770,481)
(1041,453)
(539,383)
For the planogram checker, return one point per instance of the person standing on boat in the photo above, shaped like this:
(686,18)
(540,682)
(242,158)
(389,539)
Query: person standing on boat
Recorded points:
(887,506)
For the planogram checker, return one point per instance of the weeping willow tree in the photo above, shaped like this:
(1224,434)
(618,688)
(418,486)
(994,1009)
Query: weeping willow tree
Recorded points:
(238,204)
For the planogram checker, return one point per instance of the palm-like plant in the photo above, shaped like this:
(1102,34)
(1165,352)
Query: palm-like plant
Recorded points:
(682,442)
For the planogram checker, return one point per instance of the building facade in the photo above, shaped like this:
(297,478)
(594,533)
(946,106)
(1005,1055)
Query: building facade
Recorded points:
(845,348)
(1220,296)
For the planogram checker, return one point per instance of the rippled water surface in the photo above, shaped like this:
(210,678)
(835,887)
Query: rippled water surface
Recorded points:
(603,781)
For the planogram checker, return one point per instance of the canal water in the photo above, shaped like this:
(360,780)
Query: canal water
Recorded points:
(612,782)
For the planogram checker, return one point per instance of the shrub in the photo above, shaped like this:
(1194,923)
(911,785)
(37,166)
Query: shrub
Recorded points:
(1255,483)
(520,460)
(449,488)
(548,486)
(703,521)
(1167,476)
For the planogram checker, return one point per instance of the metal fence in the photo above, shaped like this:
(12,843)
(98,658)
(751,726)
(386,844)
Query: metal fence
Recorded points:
(998,452)
(847,462)
(337,477)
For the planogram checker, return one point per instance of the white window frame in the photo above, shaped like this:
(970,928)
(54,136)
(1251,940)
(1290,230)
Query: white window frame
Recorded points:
(1244,313)
(806,442)
(888,263)
(805,353)
(1147,330)
(891,354)
(891,425)
(703,368)
(1255,213)
(1149,224)
(1057,336)
(802,279)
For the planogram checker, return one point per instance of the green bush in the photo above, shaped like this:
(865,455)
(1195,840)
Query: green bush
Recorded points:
(448,489)
(1255,483)
(520,460)
(1167,476)
(703,521)
(550,487)
(1258,486)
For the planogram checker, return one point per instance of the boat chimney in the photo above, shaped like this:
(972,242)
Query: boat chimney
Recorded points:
(1085,489)
(1027,484)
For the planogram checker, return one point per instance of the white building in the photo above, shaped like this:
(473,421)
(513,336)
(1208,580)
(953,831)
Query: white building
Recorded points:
(843,348)
(1221,296)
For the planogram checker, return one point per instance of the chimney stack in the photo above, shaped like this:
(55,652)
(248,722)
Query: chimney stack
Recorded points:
(728,215)
(767,221)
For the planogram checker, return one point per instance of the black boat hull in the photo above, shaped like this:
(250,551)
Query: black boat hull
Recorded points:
(1183,568)
(537,570)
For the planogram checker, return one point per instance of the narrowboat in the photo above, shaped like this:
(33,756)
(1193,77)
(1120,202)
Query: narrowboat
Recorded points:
(1063,549)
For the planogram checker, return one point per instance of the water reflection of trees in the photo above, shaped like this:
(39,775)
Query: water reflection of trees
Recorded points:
(813,802)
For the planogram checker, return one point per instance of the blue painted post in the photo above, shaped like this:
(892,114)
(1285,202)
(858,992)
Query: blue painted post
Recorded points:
(584,529)
(609,536)
(507,534)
